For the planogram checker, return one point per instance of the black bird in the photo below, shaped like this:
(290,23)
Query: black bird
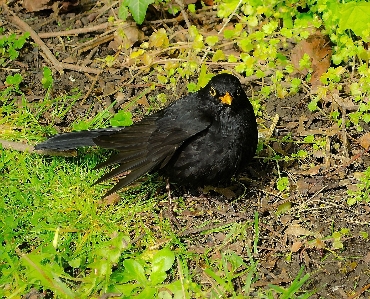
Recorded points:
(201,139)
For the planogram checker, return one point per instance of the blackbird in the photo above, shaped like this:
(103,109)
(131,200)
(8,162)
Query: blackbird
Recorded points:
(201,139)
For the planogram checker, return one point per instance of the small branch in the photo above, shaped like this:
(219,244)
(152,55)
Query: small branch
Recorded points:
(22,147)
(59,66)
(183,12)
(231,15)
(74,31)
(90,89)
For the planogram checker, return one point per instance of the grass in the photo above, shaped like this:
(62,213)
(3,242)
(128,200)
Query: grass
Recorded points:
(57,235)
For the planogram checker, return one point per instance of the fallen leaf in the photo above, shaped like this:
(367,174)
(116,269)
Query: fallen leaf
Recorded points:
(297,230)
(296,246)
(227,192)
(364,141)
(367,258)
(186,2)
(143,101)
(311,171)
(37,5)
(208,2)
(317,47)
(110,200)
(126,36)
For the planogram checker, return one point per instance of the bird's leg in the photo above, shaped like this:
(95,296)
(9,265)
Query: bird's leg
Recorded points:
(168,189)
(172,215)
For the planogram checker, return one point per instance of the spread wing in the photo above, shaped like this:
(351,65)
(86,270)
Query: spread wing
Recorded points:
(149,144)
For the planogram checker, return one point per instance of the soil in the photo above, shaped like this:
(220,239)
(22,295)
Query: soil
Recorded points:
(316,201)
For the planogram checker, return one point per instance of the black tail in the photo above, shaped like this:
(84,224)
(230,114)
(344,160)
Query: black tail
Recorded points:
(73,140)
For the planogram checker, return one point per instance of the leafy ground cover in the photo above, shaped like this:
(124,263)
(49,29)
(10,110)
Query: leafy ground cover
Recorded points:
(294,225)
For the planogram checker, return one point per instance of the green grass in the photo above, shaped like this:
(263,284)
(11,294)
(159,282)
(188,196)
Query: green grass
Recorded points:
(57,235)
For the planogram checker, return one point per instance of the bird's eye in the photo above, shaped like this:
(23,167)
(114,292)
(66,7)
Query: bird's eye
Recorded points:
(213,92)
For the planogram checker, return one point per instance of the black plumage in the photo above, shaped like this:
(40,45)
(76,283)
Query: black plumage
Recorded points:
(201,139)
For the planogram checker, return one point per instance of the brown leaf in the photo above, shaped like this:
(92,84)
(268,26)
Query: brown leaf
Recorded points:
(208,2)
(126,35)
(317,47)
(312,170)
(143,101)
(310,185)
(297,230)
(364,141)
(186,2)
(110,200)
(296,246)
(367,258)
(37,5)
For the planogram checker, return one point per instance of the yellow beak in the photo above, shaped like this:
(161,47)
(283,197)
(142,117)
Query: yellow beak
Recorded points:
(226,99)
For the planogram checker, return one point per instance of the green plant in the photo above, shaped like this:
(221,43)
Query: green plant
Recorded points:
(13,83)
(231,267)
(121,118)
(282,184)
(144,276)
(294,288)
(47,79)
(362,194)
(337,236)
(10,46)
(137,8)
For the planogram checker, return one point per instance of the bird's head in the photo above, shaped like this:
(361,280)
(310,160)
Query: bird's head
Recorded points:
(225,89)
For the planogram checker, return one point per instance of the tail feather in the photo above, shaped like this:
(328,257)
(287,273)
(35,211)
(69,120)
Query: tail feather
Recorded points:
(66,141)
(131,177)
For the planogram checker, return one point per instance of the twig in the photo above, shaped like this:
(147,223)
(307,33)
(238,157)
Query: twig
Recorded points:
(90,89)
(358,293)
(91,44)
(74,31)
(59,66)
(183,12)
(229,18)
(179,18)
(22,147)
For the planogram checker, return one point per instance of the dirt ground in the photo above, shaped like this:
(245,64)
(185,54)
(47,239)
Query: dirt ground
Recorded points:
(318,185)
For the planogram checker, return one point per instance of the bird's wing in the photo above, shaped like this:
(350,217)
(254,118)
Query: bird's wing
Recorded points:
(149,144)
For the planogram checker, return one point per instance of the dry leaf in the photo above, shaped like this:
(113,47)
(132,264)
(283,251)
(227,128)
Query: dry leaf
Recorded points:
(208,2)
(143,101)
(297,230)
(296,246)
(126,36)
(110,200)
(186,2)
(364,141)
(318,48)
(37,5)
(367,258)
(312,170)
